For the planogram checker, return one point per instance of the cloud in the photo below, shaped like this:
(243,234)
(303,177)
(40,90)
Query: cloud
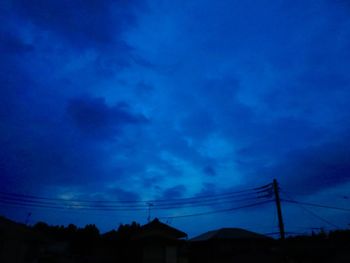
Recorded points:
(313,168)
(235,103)
(82,23)
(174,192)
(208,189)
(124,195)
(95,118)
(209,170)
(12,44)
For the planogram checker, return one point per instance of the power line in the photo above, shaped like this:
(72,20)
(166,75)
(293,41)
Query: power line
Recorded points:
(71,207)
(260,189)
(314,214)
(36,203)
(160,205)
(317,205)
(76,205)
(319,217)
(80,211)
(77,208)
(217,211)
(257,192)
(102,204)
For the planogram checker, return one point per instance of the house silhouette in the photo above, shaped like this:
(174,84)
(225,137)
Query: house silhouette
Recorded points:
(161,243)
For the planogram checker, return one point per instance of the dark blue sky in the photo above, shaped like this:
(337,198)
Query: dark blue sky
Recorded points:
(140,100)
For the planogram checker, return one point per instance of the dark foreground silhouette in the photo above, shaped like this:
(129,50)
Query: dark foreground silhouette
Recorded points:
(157,242)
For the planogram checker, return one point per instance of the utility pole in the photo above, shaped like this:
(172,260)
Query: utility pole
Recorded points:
(279,210)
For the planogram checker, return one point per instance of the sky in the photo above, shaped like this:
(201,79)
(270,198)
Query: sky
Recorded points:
(159,100)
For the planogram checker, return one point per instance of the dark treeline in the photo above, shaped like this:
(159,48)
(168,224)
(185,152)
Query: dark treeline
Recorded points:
(321,246)
(88,233)
(125,232)
(72,244)
(76,240)
(86,240)
(333,246)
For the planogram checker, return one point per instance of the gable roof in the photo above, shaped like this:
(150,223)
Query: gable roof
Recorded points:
(228,233)
(156,228)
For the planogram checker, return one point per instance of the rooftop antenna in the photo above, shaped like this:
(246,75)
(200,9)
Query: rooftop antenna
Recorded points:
(149,211)
(27,218)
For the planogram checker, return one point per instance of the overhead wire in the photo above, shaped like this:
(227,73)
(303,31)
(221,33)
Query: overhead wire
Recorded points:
(317,205)
(123,207)
(301,205)
(77,204)
(201,197)
(320,217)
(217,211)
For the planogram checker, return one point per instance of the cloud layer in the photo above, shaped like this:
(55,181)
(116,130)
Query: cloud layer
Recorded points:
(141,100)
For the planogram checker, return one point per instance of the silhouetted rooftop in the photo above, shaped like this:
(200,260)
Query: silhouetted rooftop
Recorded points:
(156,228)
(228,233)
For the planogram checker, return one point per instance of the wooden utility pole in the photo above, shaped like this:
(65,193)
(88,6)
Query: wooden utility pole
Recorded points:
(279,210)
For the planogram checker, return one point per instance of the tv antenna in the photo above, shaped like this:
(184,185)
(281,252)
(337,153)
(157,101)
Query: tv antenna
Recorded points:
(149,211)
(27,218)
